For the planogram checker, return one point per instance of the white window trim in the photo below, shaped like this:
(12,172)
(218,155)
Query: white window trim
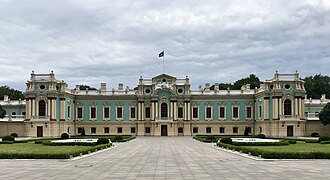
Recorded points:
(224,132)
(130,118)
(211,118)
(145,113)
(192,117)
(69,113)
(90,113)
(180,106)
(122,113)
(222,118)
(82,113)
(251,118)
(232,112)
(103,112)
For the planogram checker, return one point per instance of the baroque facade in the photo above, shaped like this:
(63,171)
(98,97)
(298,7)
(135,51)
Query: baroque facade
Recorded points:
(163,106)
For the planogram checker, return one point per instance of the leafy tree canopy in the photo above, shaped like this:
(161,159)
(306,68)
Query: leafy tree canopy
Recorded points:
(325,114)
(12,93)
(2,112)
(253,80)
(317,85)
(84,87)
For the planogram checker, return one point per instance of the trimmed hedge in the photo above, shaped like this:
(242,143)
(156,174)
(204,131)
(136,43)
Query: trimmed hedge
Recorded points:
(280,143)
(50,156)
(276,154)
(6,142)
(311,141)
(102,141)
(324,138)
(65,136)
(315,134)
(262,136)
(292,142)
(226,140)
(8,138)
(325,142)
(49,143)
(25,141)
(203,139)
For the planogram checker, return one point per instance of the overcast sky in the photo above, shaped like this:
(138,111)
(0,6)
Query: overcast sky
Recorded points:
(88,42)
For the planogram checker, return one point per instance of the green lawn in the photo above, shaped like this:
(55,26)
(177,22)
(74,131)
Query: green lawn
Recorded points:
(40,151)
(299,147)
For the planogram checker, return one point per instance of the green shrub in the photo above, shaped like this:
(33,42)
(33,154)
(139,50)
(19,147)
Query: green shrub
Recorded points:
(6,142)
(38,141)
(311,141)
(65,136)
(292,142)
(315,134)
(8,138)
(14,134)
(211,138)
(226,140)
(25,141)
(325,142)
(262,136)
(102,141)
(324,138)
(118,138)
(280,143)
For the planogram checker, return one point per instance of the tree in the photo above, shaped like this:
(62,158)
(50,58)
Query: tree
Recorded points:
(12,93)
(2,112)
(253,80)
(325,114)
(317,85)
(84,87)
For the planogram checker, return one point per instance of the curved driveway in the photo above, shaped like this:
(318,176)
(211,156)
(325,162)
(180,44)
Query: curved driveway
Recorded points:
(164,158)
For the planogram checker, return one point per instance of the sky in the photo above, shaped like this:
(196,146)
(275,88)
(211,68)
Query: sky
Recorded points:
(117,41)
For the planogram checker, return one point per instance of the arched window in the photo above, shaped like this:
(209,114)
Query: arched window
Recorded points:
(287,107)
(42,108)
(163,108)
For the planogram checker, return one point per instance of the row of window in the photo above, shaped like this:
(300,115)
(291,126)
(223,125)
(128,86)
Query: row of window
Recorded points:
(221,130)
(106,112)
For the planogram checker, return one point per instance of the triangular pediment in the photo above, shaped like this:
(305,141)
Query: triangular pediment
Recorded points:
(164,76)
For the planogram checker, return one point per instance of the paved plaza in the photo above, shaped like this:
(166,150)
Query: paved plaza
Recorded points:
(164,158)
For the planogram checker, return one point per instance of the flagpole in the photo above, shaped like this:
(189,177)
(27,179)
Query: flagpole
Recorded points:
(163,62)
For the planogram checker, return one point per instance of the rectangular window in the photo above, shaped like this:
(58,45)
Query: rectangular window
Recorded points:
(208,112)
(260,111)
(93,130)
(306,114)
(248,112)
(68,130)
(133,112)
(69,112)
(235,129)
(79,113)
(106,112)
(195,130)
(180,112)
(208,130)
(180,130)
(222,130)
(235,112)
(80,130)
(147,130)
(132,129)
(93,113)
(195,112)
(119,130)
(147,112)
(106,130)
(119,112)
(222,112)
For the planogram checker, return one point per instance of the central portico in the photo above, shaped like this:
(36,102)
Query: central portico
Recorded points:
(165,101)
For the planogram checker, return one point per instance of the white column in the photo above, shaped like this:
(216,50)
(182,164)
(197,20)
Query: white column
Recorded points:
(185,111)
(139,111)
(295,106)
(175,111)
(62,104)
(171,109)
(142,112)
(299,108)
(189,111)
(302,108)
(33,107)
(54,109)
(280,107)
(152,111)
(266,109)
(27,109)
(276,112)
(156,110)
(48,108)
(273,106)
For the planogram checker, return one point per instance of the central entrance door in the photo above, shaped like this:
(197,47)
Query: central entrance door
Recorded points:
(164,130)
(40,131)
(289,131)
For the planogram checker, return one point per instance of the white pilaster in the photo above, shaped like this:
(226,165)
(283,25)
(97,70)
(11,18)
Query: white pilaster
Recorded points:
(175,111)
(188,118)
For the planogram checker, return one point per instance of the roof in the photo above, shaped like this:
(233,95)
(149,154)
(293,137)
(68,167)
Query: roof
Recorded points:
(12,103)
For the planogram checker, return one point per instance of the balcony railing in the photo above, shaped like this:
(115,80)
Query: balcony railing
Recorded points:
(164,119)
(40,118)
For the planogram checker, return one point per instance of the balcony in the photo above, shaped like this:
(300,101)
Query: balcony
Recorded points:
(40,118)
(290,117)
(164,119)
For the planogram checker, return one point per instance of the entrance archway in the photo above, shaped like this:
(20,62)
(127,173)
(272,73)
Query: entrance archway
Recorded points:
(163,108)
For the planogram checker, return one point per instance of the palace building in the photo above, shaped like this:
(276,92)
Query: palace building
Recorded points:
(163,106)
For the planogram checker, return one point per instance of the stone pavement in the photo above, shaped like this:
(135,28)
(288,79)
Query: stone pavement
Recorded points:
(164,158)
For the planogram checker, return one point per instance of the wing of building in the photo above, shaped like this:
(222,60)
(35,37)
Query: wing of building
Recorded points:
(164,106)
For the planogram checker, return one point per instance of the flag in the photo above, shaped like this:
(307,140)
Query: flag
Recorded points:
(161,54)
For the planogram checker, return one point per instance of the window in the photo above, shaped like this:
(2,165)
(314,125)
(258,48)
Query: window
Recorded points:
(23,113)
(106,112)
(93,113)
(222,112)
(42,108)
(119,130)
(180,112)
(180,130)
(287,107)
(208,130)
(93,130)
(69,130)
(235,129)
(106,130)
(13,113)
(119,112)
(260,112)
(208,112)
(248,112)
(132,129)
(306,114)
(163,108)
(80,130)
(195,130)
(79,113)
(235,112)
(69,112)
(222,130)
(147,112)
(133,112)
(148,130)
(248,130)
(316,114)
(195,112)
